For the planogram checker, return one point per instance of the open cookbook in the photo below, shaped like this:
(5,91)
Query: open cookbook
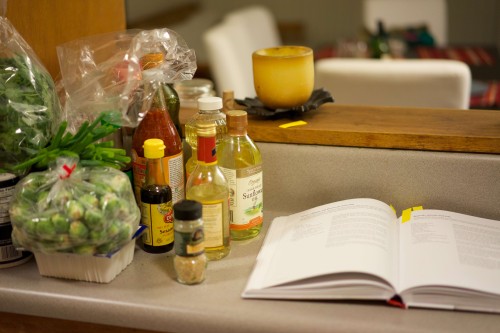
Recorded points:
(358,249)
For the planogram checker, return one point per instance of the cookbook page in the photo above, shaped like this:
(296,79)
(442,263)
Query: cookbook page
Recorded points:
(440,248)
(356,235)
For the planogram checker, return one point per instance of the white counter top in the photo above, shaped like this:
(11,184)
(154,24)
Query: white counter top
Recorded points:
(145,296)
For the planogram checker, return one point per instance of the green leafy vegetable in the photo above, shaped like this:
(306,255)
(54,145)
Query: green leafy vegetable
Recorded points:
(84,144)
(29,110)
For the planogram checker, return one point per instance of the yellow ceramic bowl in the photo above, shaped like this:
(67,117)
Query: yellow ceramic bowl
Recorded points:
(283,76)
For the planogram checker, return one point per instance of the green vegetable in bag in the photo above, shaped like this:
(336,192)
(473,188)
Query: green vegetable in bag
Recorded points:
(29,106)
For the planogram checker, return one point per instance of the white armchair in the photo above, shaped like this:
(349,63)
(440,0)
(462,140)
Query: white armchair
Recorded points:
(230,44)
(402,82)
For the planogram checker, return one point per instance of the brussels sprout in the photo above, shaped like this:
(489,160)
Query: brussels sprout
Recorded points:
(89,201)
(120,184)
(113,229)
(106,248)
(75,210)
(78,232)
(84,249)
(28,193)
(19,213)
(98,236)
(109,202)
(29,227)
(62,197)
(124,234)
(94,219)
(45,229)
(115,207)
(61,223)
(43,202)
(102,189)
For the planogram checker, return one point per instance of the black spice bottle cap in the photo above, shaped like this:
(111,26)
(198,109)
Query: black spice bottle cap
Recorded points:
(187,210)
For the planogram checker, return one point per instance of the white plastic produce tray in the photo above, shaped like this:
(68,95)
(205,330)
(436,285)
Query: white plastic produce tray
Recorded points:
(84,267)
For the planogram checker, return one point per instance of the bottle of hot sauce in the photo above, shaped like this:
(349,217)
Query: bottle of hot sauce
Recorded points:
(158,124)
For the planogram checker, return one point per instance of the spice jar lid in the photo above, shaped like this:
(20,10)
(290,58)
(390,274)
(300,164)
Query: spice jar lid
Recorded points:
(187,210)
(210,103)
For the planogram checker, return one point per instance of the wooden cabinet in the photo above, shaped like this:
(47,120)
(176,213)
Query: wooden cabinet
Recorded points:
(44,24)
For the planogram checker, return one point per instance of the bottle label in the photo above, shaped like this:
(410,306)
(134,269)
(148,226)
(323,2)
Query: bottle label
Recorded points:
(213,224)
(188,244)
(206,149)
(173,166)
(245,197)
(159,219)
(8,183)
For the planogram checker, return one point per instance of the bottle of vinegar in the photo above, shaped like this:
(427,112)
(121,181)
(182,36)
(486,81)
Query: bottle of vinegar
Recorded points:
(208,185)
(240,161)
(156,202)
(209,110)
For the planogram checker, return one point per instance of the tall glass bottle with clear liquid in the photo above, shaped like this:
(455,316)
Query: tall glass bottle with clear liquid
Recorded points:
(209,110)
(241,162)
(208,185)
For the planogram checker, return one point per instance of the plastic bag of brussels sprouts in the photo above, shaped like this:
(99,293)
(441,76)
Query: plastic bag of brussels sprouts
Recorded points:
(72,209)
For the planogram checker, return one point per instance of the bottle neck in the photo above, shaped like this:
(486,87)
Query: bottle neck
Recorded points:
(206,150)
(240,131)
(158,101)
(154,172)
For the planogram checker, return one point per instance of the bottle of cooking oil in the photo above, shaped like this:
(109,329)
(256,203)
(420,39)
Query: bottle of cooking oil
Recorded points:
(241,162)
(209,110)
(208,185)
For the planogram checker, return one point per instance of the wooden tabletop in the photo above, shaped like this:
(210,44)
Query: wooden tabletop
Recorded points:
(475,131)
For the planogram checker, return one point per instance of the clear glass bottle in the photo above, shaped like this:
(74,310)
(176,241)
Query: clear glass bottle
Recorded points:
(158,124)
(190,261)
(156,201)
(190,91)
(241,162)
(208,185)
(209,110)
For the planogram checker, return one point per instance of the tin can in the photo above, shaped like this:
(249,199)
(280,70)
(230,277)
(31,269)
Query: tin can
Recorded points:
(9,255)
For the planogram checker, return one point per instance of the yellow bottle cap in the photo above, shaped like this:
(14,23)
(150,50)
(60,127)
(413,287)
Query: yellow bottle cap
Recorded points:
(154,148)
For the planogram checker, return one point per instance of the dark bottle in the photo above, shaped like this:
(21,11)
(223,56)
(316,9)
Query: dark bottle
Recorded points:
(156,201)
(380,42)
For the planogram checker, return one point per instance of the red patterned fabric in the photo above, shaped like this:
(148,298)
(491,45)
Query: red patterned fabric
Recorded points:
(476,56)
(490,99)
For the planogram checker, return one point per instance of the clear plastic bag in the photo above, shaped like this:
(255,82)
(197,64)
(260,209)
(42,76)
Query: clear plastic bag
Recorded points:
(179,60)
(99,74)
(71,209)
(103,72)
(30,110)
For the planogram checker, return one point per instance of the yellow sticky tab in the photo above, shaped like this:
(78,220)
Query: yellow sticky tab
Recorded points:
(406,216)
(292,124)
(418,208)
(393,209)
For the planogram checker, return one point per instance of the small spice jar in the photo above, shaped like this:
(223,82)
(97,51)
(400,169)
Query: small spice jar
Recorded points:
(190,261)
